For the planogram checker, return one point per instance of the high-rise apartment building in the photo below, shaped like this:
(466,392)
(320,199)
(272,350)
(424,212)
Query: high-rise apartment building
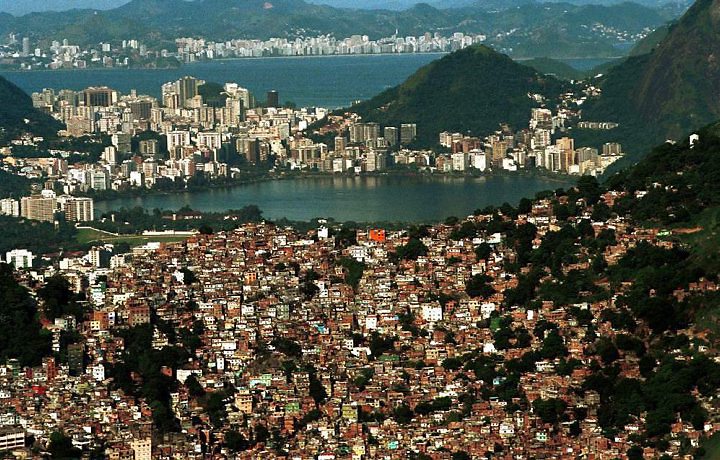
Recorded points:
(20,258)
(100,96)
(340,144)
(499,152)
(273,99)
(611,148)
(177,94)
(38,208)
(77,209)
(10,207)
(391,135)
(26,46)
(566,145)
(149,147)
(408,133)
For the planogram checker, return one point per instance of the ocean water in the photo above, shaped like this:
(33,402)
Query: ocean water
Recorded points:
(330,81)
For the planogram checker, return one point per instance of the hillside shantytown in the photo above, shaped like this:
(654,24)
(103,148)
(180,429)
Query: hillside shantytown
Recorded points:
(527,331)
(577,323)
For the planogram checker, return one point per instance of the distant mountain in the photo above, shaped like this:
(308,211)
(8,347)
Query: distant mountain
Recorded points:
(487,4)
(649,43)
(521,28)
(399,5)
(474,90)
(671,90)
(17,114)
(555,68)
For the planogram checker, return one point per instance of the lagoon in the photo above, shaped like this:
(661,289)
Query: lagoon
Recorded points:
(360,198)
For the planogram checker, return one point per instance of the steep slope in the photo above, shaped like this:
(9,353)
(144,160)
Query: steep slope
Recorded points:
(473,90)
(671,90)
(19,116)
(681,191)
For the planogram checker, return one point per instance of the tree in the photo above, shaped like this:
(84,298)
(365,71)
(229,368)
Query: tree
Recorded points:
(412,250)
(607,350)
(235,441)
(483,251)
(215,407)
(262,434)
(589,189)
(354,271)
(479,286)
(27,342)
(525,206)
(403,414)
(635,453)
(549,410)
(61,447)
(553,346)
(189,276)
(58,299)
(452,364)
(288,347)
(317,390)
(194,388)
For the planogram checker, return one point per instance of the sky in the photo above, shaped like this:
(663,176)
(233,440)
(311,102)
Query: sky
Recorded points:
(20,7)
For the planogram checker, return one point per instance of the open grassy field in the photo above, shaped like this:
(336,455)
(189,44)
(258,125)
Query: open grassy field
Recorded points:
(91,235)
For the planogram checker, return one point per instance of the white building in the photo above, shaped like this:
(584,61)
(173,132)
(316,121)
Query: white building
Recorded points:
(20,258)
(177,139)
(142,449)
(459,161)
(98,372)
(432,313)
(210,140)
(10,207)
(11,438)
(478,160)
(77,209)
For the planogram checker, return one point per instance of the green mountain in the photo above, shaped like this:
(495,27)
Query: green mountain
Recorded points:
(672,89)
(682,185)
(473,90)
(17,115)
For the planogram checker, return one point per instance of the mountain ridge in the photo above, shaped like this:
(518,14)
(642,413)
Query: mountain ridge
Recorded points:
(536,25)
(670,90)
(473,89)
(18,115)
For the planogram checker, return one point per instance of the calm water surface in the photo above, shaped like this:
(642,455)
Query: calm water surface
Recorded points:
(330,81)
(362,199)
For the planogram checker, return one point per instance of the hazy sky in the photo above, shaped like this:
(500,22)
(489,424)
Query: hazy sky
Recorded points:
(27,6)
(19,7)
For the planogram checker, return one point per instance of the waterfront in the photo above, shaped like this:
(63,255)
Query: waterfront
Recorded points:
(362,199)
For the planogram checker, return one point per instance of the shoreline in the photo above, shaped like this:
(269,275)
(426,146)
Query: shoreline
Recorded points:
(221,60)
(262,58)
